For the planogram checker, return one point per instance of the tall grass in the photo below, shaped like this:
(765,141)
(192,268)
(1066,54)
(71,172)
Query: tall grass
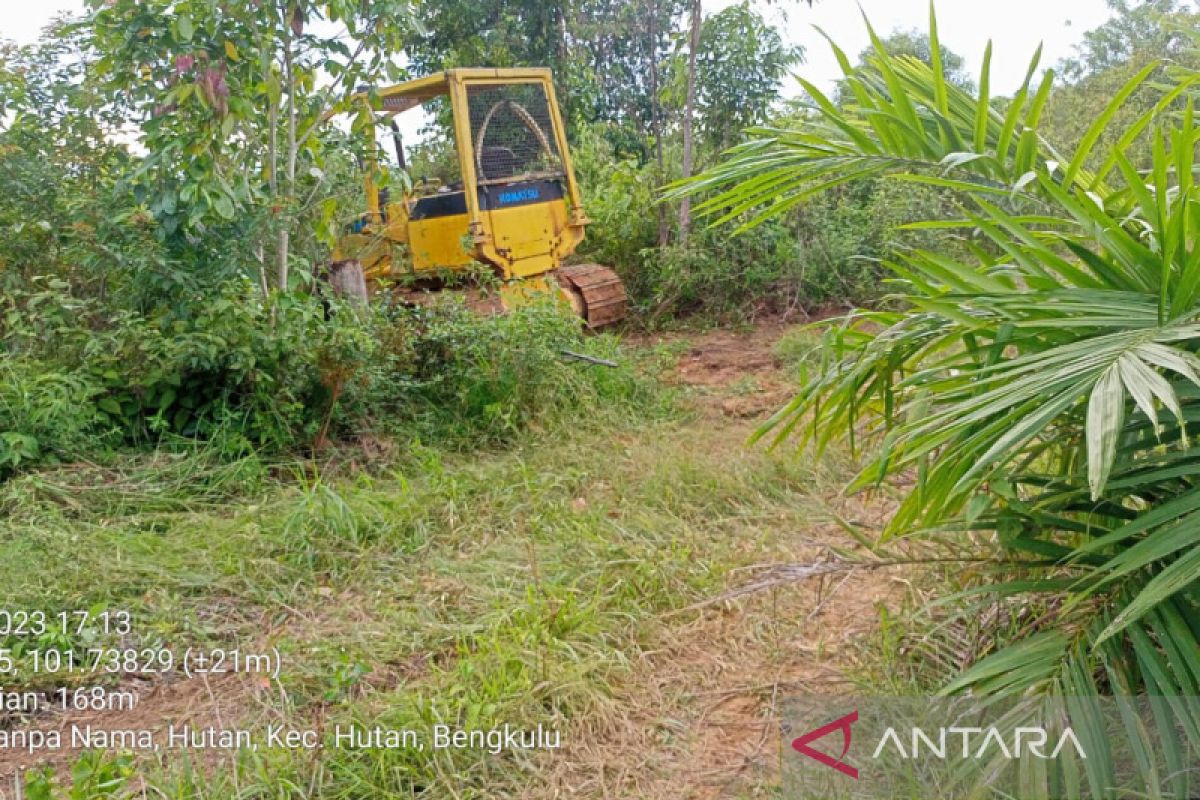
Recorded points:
(520,585)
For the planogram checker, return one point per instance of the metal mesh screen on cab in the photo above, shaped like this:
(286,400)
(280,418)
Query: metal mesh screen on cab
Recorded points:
(511,132)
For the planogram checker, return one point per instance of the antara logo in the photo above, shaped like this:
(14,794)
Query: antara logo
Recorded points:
(801,744)
(976,743)
(1025,742)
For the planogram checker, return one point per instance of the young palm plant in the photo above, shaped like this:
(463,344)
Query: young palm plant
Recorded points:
(1044,389)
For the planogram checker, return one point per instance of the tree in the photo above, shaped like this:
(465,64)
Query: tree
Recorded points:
(1043,390)
(230,98)
(61,215)
(607,57)
(741,65)
(493,33)
(624,48)
(1159,27)
(915,44)
(767,47)
(656,116)
(1137,35)
(689,113)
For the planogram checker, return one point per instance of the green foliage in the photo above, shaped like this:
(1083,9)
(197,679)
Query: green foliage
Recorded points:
(619,195)
(227,361)
(827,251)
(1148,33)
(847,233)
(45,414)
(93,777)
(60,202)
(601,52)
(484,380)
(1160,27)
(915,44)
(739,70)
(231,109)
(720,275)
(1041,387)
(283,374)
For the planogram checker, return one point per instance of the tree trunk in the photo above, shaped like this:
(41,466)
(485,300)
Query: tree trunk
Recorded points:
(264,285)
(272,169)
(292,145)
(347,280)
(689,111)
(664,224)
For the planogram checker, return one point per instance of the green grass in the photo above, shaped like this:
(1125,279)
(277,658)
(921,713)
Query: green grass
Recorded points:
(520,585)
(799,348)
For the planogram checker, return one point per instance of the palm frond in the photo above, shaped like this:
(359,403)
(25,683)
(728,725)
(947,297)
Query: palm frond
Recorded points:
(1042,386)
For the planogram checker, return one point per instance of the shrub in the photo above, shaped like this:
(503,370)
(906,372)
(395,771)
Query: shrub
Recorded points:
(619,196)
(487,378)
(285,374)
(45,414)
(253,372)
(720,275)
(827,251)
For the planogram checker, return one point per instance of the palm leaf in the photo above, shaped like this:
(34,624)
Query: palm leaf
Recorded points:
(1042,386)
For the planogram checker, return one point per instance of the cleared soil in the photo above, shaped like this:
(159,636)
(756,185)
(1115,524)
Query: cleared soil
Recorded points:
(705,714)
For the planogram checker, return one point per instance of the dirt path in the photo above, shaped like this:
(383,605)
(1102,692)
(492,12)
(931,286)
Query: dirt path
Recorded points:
(711,699)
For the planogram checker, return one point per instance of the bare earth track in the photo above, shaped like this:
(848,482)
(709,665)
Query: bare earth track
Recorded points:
(705,717)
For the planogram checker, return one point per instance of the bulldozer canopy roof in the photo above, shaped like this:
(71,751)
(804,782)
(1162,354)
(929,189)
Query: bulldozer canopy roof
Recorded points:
(403,96)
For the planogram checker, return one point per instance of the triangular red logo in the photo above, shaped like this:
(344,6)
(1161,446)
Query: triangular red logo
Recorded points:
(801,744)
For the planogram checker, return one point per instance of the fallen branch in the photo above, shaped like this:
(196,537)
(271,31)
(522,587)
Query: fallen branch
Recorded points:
(782,574)
(601,362)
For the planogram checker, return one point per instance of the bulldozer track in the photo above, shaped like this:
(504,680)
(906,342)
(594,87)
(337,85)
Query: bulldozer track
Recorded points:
(599,290)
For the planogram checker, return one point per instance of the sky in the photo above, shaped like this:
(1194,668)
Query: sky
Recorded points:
(1015,26)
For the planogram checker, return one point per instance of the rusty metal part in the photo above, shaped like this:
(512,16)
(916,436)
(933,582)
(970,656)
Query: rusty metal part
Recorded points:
(600,293)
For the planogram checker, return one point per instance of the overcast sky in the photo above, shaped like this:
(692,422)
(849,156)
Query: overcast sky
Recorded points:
(1016,26)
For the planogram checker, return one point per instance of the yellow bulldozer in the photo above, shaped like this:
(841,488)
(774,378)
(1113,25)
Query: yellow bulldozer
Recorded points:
(513,203)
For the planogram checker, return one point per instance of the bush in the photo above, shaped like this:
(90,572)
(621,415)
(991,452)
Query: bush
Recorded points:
(45,414)
(619,196)
(828,251)
(720,275)
(283,375)
(487,378)
(255,373)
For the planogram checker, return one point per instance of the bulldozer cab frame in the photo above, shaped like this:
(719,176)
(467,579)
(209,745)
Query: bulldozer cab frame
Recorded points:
(518,206)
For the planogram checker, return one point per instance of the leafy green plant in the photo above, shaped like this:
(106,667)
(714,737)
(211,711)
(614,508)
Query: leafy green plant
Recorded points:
(484,379)
(93,777)
(619,195)
(285,375)
(720,276)
(44,413)
(1042,391)
(826,251)
(231,113)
